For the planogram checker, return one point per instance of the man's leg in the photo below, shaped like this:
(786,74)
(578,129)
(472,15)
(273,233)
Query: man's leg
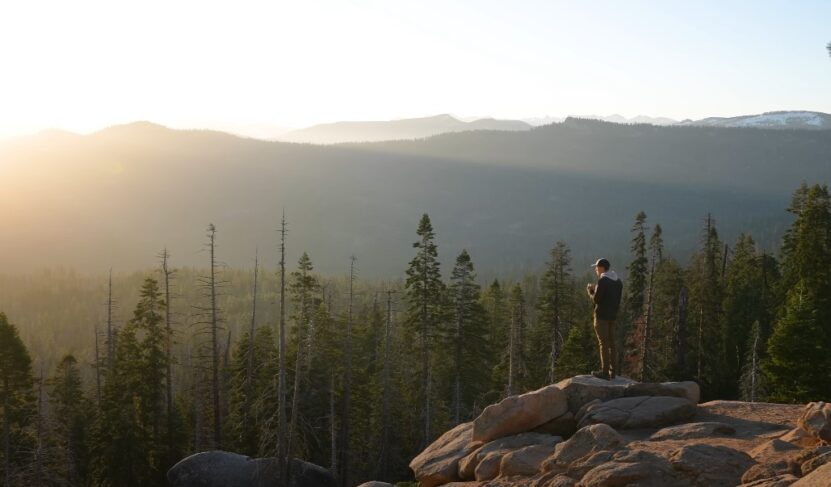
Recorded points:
(612,350)
(601,329)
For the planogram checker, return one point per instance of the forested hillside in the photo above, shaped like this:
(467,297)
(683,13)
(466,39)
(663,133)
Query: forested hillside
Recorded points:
(110,382)
(113,198)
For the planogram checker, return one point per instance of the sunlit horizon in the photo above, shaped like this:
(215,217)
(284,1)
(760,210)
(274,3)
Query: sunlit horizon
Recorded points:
(285,65)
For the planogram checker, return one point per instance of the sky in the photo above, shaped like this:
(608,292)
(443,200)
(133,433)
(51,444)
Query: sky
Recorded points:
(87,64)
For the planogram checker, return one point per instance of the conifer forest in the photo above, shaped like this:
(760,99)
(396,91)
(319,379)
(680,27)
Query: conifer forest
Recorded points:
(109,380)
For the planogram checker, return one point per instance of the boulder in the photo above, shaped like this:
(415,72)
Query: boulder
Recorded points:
(691,389)
(563,426)
(639,412)
(688,390)
(783,480)
(468,465)
(585,407)
(578,468)
(711,466)
(584,388)
(636,467)
(525,461)
(518,414)
(816,420)
(586,441)
(690,431)
(439,463)
(774,449)
(226,469)
(799,437)
(760,472)
(814,463)
(558,480)
(488,468)
(820,477)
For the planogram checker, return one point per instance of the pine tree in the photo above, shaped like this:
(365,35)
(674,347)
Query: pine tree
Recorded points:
(494,301)
(303,287)
(252,393)
(18,403)
(638,269)
(704,277)
(741,308)
(129,445)
(656,257)
(556,306)
(71,414)
(801,341)
(517,360)
(425,314)
(636,288)
(469,339)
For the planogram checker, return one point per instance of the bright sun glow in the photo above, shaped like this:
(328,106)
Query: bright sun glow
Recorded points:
(88,64)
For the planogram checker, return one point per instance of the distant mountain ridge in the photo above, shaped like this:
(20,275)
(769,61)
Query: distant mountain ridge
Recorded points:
(772,120)
(409,128)
(117,196)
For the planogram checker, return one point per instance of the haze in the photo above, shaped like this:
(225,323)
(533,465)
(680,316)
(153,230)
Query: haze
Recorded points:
(84,65)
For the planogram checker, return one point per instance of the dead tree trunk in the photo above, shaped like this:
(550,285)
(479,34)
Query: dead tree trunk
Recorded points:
(110,331)
(282,458)
(214,341)
(333,425)
(347,381)
(97,371)
(385,411)
(252,330)
(681,333)
(167,275)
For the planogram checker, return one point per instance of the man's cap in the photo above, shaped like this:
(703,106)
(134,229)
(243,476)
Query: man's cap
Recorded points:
(602,263)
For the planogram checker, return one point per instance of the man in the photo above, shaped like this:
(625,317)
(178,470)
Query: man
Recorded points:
(606,296)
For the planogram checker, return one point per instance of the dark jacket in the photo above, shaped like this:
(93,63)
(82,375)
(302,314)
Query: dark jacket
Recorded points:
(606,296)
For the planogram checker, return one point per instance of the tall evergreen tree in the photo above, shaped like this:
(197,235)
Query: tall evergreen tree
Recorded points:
(129,445)
(496,306)
(18,403)
(633,321)
(71,414)
(517,357)
(556,306)
(425,314)
(743,305)
(704,277)
(469,340)
(800,346)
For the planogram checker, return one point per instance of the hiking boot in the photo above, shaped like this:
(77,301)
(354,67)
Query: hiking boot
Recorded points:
(600,374)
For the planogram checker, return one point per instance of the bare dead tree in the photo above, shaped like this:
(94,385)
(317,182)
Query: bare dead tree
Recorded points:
(386,392)
(111,332)
(97,370)
(282,458)
(681,332)
(249,371)
(168,274)
(210,322)
(215,340)
(347,381)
